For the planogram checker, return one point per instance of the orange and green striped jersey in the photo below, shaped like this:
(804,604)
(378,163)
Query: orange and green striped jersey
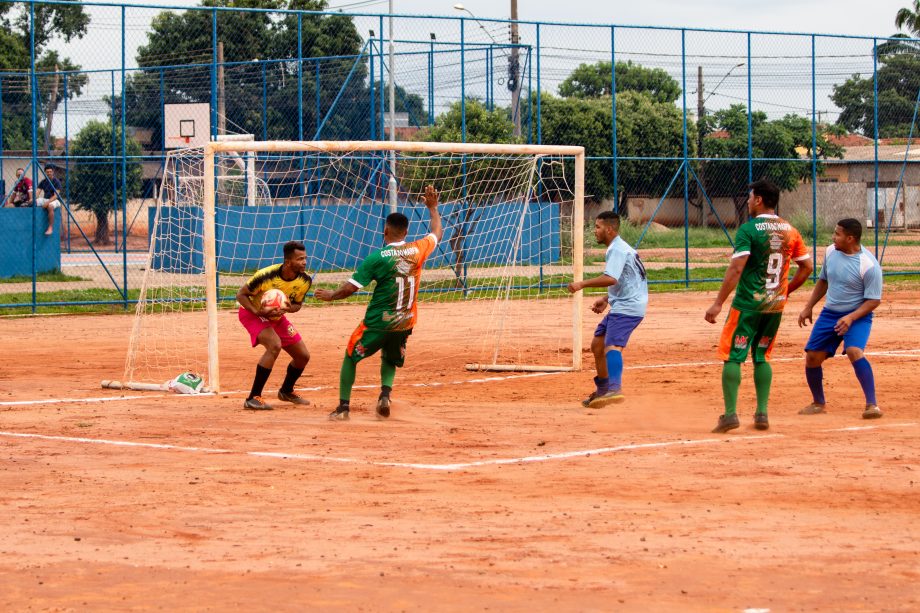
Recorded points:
(397,269)
(771,244)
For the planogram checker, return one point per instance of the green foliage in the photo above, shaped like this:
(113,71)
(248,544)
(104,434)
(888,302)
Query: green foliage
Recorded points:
(91,183)
(67,21)
(594,81)
(898,84)
(482,125)
(645,129)
(185,38)
(781,138)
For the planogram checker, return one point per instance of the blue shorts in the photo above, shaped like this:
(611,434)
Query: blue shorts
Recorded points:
(824,338)
(616,329)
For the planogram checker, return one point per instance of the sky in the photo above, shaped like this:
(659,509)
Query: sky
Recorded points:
(566,48)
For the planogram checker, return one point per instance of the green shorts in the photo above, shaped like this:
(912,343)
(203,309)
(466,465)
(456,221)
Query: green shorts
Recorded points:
(748,330)
(365,343)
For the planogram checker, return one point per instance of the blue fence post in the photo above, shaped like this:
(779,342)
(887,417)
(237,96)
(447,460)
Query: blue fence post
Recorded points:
(750,112)
(613,113)
(214,75)
(529,95)
(114,168)
(300,101)
(263,64)
(382,81)
(875,134)
(33,82)
(124,169)
(373,88)
(539,92)
(685,163)
(814,160)
(318,97)
(66,162)
(463,79)
(431,83)
(2,149)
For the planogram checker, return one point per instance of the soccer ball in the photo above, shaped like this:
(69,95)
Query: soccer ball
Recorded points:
(274,298)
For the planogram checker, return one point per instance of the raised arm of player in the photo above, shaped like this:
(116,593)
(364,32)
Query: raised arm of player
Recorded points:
(431,202)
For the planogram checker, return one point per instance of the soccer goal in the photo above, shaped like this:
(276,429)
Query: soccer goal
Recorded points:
(493,295)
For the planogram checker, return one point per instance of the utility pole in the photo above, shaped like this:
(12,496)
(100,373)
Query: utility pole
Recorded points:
(514,69)
(221,92)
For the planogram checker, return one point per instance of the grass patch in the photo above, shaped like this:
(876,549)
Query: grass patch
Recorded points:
(53,276)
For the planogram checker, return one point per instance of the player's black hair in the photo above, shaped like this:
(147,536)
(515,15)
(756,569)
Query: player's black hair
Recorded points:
(768,192)
(611,218)
(851,227)
(291,246)
(398,222)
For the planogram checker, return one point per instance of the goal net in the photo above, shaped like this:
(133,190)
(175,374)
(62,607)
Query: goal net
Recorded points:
(492,295)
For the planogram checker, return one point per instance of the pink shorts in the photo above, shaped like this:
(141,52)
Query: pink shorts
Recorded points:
(255,324)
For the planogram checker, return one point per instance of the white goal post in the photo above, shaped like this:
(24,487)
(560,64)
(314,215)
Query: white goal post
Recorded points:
(514,231)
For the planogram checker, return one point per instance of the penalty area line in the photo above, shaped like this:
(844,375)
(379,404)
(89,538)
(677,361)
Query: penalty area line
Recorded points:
(566,455)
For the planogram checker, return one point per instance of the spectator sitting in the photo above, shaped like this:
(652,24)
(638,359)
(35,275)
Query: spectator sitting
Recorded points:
(22,191)
(51,186)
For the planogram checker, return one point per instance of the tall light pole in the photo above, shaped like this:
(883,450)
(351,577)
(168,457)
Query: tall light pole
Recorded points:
(514,81)
(392,88)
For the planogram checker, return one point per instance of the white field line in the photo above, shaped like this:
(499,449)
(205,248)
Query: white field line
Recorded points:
(897,353)
(433,467)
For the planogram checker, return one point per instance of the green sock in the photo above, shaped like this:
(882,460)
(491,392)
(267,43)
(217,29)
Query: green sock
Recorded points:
(731,381)
(387,373)
(347,378)
(763,378)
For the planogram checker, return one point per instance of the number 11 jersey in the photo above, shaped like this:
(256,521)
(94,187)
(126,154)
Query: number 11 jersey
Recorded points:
(771,243)
(397,269)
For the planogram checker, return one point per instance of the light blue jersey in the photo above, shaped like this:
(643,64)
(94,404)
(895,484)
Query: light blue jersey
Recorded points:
(851,279)
(629,296)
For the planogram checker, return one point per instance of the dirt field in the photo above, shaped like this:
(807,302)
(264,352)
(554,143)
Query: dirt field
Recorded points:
(495,492)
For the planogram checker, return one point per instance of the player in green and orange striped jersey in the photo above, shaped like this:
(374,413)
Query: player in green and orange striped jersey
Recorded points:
(764,248)
(392,312)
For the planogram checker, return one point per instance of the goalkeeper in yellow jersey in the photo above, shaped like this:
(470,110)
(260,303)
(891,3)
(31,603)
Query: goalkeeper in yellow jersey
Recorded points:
(270,327)
(392,312)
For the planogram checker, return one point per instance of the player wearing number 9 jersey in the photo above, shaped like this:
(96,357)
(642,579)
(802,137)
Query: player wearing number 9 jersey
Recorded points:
(764,248)
(392,312)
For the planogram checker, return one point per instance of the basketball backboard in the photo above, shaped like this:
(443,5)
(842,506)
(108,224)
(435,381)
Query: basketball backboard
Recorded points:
(187,125)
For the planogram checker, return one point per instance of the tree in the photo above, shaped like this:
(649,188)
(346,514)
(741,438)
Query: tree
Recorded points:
(649,130)
(185,40)
(910,17)
(898,84)
(777,147)
(594,81)
(51,21)
(91,183)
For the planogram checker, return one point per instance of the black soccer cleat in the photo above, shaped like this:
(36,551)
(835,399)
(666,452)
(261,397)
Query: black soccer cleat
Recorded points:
(761,422)
(726,423)
(340,413)
(256,404)
(293,398)
(383,407)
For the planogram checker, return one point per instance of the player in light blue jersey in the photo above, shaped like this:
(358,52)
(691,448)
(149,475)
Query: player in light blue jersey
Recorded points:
(852,280)
(627,297)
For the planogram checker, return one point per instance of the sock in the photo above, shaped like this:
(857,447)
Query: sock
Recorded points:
(615,369)
(815,378)
(385,391)
(866,378)
(602,384)
(258,382)
(387,373)
(763,377)
(731,381)
(290,378)
(347,379)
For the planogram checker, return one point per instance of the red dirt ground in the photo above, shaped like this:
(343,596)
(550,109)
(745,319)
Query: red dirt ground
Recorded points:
(808,516)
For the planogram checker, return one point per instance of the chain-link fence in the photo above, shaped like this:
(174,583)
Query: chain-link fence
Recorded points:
(675,123)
